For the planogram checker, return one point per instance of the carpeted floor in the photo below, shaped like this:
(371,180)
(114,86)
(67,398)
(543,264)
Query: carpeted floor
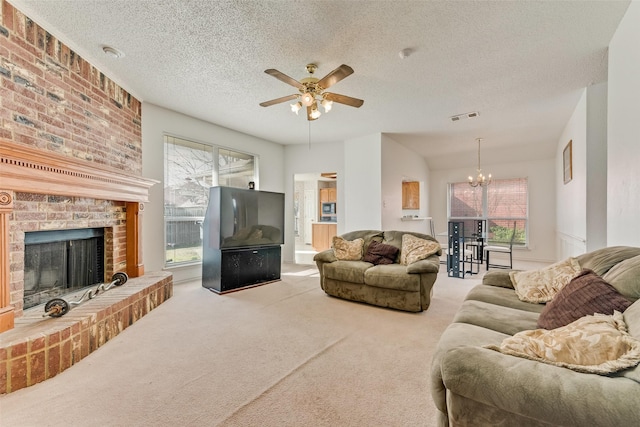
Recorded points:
(282,354)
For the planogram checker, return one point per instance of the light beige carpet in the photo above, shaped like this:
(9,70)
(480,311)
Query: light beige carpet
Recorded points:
(282,354)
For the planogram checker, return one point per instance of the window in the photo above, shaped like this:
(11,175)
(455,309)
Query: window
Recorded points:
(190,169)
(501,203)
(235,169)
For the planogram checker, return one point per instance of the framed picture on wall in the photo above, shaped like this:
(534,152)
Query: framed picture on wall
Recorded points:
(567,163)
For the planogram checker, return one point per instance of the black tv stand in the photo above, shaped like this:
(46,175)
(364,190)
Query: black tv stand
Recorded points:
(228,270)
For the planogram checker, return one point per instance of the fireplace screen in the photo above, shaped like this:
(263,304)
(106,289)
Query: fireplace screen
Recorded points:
(60,262)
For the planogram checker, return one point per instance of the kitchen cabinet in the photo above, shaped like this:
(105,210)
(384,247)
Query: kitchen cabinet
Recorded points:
(328,195)
(322,235)
(411,195)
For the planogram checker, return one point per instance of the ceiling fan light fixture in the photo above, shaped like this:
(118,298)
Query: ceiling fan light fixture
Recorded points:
(326,104)
(307,99)
(296,107)
(315,113)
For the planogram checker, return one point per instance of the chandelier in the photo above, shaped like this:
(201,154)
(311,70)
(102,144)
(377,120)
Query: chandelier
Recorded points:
(480,180)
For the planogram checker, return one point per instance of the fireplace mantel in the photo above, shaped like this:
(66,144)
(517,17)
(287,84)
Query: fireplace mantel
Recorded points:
(31,170)
(26,169)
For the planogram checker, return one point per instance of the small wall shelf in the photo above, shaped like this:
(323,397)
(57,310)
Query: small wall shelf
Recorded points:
(415,218)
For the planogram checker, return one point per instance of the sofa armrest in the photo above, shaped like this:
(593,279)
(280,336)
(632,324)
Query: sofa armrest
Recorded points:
(325,256)
(428,265)
(536,390)
(498,278)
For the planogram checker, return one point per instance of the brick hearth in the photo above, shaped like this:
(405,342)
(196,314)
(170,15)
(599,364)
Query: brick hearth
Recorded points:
(40,348)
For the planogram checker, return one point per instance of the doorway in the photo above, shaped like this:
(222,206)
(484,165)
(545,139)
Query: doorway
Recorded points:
(307,213)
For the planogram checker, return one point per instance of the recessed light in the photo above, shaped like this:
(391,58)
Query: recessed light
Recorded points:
(112,52)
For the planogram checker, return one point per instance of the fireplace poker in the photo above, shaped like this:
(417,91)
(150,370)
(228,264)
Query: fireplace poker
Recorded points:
(58,307)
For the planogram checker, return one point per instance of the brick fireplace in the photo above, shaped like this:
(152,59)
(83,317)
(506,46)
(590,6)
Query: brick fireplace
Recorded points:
(70,152)
(70,158)
(54,192)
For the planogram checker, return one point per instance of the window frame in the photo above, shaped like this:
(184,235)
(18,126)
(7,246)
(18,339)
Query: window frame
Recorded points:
(215,174)
(485,210)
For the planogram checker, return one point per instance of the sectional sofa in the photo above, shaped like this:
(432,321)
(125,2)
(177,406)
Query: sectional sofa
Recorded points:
(478,380)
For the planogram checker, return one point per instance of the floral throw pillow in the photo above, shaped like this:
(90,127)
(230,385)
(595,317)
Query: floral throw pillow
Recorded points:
(540,286)
(347,250)
(414,249)
(597,344)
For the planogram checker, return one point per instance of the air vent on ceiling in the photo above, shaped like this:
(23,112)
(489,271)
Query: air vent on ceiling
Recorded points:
(470,115)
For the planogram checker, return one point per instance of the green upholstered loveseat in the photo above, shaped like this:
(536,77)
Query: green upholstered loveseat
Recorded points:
(476,386)
(403,287)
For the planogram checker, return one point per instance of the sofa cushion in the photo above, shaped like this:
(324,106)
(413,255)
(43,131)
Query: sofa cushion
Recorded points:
(347,250)
(542,285)
(625,277)
(380,253)
(632,319)
(346,271)
(500,319)
(427,265)
(499,278)
(501,296)
(597,344)
(602,260)
(394,237)
(587,293)
(414,249)
(392,276)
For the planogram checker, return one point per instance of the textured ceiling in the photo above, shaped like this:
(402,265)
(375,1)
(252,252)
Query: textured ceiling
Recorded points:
(520,64)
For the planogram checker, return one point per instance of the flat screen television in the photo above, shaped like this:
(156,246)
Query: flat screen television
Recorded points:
(237,218)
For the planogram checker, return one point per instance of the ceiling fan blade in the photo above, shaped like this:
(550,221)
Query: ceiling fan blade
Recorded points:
(284,78)
(278,100)
(335,76)
(343,99)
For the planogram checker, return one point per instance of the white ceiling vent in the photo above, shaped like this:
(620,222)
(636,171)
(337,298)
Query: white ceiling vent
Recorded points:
(470,115)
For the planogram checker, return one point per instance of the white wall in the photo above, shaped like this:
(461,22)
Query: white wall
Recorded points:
(582,202)
(400,163)
(541,176)
(597,166)
(303,158)
(571,198)
(157,121)
(362,183)
(623,152)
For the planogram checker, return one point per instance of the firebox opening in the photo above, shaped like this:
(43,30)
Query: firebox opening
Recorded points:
(58,262)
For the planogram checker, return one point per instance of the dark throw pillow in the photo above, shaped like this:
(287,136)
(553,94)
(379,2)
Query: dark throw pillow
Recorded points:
(380,253)
(586,294)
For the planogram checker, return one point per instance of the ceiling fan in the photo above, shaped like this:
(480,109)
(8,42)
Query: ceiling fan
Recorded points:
(312,91)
